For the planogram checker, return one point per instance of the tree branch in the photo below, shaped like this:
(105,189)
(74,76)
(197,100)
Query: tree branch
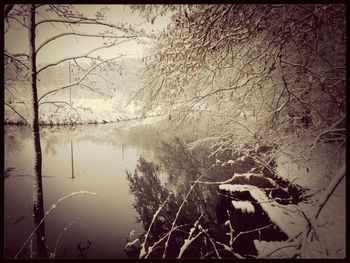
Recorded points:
(78,81)
(82,21)
(14,57)
(62,102)
(176,216)
(318,137)
(8,105)
(96,91)
(82,35)
(76,57)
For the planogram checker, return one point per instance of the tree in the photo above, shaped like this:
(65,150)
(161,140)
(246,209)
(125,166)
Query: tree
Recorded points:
(32,17)
(91,66)
(261,70)
(265,74)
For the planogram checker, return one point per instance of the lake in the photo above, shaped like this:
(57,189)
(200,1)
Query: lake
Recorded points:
(127,170)
(92,158)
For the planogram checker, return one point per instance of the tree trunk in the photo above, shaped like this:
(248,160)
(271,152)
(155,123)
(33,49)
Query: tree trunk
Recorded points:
(38,201)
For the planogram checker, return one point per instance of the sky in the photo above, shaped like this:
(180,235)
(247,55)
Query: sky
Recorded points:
(16,40)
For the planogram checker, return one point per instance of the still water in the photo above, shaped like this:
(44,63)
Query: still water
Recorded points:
(92,158)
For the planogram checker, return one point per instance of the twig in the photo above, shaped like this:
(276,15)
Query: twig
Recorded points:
(60,236)
(143,245)
(47,213)
(318,137)
(155,244)
(78,81)
(26,122)
(190,239)
(177,214)
(213,242)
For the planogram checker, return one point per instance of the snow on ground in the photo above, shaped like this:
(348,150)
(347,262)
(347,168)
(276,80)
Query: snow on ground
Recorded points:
(244,206)
(313,170)
(309,169)
(87,111)
(265,247)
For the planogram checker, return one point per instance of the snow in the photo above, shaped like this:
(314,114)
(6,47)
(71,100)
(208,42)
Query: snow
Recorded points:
(236,187)
(244,206)
(203,142)
(130,244)
(247,175)
(264,247)
(286,217)
(184,246)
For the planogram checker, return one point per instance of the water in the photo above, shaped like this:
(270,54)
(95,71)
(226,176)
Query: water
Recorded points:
(131,171)
(91,158)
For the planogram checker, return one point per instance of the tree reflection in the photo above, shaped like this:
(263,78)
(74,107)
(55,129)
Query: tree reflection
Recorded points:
(195,209)
(38,199)
(150,193)
(11,135)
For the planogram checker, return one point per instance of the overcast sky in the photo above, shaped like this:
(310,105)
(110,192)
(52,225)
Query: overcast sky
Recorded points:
(16,40)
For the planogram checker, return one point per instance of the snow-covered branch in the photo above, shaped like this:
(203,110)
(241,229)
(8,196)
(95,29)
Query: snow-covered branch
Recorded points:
(7,9)
(87,55)
(58,107)
(16,58)
(190,238)
(96,91)
(53,254)
(177,215)
(47,214)
(78,81)
(84,35)
(8,105)
(144,243)
(329,190)
(329,130)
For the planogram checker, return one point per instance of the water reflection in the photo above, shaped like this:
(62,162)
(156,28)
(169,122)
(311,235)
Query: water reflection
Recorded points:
(150,193)
(195,209)
(72,157)
(38,199)
(95,157)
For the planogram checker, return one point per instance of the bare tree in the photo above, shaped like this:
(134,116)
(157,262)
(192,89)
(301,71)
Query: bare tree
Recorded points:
(92,68)
(32,17)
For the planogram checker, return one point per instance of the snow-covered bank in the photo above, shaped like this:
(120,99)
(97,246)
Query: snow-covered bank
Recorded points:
(321,209)
(81,111)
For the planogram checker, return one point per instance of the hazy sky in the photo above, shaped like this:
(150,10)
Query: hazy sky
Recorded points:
(16,40)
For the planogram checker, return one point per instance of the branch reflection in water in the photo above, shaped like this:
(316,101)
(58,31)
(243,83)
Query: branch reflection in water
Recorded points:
(151,191)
